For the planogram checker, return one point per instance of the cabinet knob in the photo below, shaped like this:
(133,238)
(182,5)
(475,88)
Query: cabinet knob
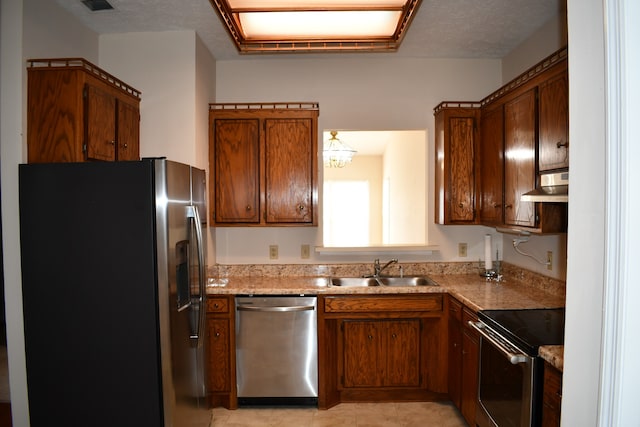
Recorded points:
(125,145)
(112,142)
(496,205)
(216,305)
(370,337)
(561,144)
(217,334)
(394,336)
(508,206)
(248,208)
(461,205)
(301,207)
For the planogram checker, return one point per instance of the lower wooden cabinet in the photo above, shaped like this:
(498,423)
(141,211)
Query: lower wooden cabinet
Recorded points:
(381,353)
(552,396)
(463,360)
(220,324)
(381,348)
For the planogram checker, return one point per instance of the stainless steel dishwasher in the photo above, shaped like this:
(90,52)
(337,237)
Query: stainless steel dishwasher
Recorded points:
(277,350)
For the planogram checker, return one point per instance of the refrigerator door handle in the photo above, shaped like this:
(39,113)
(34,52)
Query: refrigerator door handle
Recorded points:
(193,215)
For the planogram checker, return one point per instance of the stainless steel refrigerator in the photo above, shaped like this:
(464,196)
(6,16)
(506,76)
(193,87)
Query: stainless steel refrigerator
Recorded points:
(113,279)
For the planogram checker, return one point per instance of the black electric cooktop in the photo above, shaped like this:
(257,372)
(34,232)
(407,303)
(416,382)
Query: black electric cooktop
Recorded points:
(528,329)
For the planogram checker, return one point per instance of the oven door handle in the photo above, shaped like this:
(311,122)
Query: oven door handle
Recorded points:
(514,358)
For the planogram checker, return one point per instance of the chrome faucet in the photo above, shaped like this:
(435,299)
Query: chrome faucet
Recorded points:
(377,270)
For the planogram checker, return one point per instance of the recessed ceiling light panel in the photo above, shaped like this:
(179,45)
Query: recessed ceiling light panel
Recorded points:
(316,25)
(319,25)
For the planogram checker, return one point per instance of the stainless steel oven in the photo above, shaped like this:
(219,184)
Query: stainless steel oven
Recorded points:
(510,373)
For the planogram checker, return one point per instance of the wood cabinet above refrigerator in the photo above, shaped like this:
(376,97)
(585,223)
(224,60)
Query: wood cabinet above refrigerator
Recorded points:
(78,112)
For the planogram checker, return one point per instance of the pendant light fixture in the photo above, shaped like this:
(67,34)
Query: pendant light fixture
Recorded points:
(336,154)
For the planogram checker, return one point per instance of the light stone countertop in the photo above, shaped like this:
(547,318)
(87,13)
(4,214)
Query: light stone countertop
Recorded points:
(472,290)
(554,354)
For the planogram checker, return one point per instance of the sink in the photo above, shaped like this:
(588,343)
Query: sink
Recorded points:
(407,281)
(383,281)
(354,281)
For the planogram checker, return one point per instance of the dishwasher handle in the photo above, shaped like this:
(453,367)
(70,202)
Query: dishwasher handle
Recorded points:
(286,308)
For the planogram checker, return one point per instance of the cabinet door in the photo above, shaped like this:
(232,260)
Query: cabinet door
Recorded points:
(362,341)
(554,124)
(455,352)
(470,354)
(100,124)
(462,173)
(402,353)
(289,170)
(455,175)
(237,168)
(491,161)
(520,149)
(219,368)
(128,132)
(551,396)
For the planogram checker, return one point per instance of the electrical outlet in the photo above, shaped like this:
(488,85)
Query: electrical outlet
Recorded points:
(305,251)
(273,252)
(462,250)
(549,260)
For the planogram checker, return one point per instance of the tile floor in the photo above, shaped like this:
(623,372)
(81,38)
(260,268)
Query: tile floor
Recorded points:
(411,414)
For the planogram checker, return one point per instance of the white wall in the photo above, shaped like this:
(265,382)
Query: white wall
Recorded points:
(586,240)
(162,66)
(404,166)
(51,32)
(364,168)
(176,75)
(370,92)
(551,37)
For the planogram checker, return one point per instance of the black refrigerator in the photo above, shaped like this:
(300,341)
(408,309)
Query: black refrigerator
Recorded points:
(113,279)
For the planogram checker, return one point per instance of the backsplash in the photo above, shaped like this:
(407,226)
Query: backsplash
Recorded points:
(511,273)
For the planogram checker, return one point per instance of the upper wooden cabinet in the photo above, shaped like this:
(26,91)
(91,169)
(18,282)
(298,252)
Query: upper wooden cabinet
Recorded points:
(523,131)
(554,123)
(457,134)
(491,165)
(519,158)
(236,148)
(77,112)
(264,161)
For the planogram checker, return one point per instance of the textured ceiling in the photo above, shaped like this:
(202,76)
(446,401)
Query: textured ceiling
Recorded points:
(440,28)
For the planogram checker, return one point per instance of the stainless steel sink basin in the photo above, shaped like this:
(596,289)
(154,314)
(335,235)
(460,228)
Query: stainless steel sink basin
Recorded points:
(407,281)
(354,281)
(382,281)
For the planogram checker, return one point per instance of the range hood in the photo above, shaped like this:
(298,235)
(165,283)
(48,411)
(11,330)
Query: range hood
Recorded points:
(554,188)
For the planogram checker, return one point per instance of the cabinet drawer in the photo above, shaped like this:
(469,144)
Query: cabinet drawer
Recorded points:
(217,305)
(361,304)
